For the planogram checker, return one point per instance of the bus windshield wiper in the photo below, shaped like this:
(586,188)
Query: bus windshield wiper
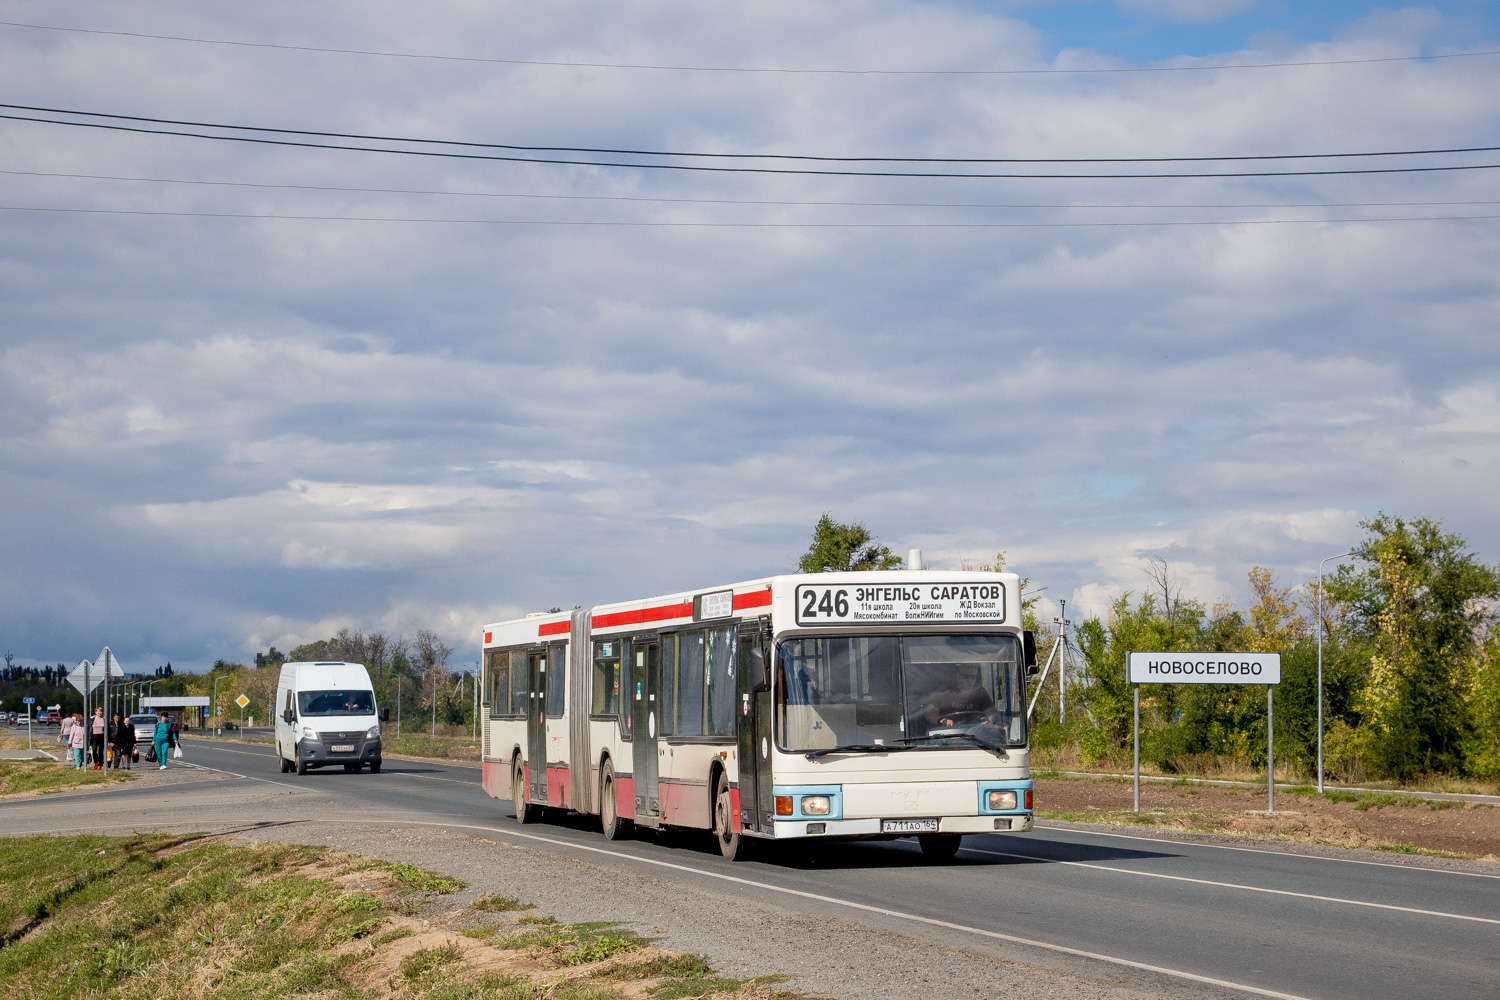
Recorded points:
(994,748)
(856,748)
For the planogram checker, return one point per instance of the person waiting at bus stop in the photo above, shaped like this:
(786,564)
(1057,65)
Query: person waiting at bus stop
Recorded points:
(162,739)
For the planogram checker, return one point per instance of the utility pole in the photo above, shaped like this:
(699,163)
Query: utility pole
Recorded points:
(1062,622)
(398,706)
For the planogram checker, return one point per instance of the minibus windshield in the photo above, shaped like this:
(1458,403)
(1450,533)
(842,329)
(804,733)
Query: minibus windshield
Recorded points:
(316,703)
(935,689)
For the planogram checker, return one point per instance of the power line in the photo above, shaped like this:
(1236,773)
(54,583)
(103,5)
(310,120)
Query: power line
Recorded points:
(782,171)
(741,225)
(612,151)
(570,64)
(755,202)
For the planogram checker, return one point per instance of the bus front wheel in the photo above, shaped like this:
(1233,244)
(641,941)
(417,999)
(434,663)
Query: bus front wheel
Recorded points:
(726,831)
(940,846)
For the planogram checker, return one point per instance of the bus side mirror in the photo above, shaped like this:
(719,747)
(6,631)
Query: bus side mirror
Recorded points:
(385,715)
(1028,643)
(289,716)
(762,682)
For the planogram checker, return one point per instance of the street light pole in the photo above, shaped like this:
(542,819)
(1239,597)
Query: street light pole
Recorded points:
(1341,555)
(214,706)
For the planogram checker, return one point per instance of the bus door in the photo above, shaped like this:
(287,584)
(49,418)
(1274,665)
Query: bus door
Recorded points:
(645,679)
(536,726)
(754,708)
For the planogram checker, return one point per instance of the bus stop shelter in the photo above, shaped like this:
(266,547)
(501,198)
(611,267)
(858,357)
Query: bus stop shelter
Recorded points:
(190,713)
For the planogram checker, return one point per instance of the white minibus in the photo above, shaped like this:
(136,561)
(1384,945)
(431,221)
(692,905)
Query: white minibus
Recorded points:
(326,714)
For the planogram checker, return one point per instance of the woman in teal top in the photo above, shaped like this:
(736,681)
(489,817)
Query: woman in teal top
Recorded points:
(162,738)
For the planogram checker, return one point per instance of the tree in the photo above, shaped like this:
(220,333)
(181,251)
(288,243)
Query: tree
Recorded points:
(844,548)
(1422,602)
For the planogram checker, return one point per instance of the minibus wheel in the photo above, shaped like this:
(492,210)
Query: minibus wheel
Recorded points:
(609,811)
(375,766)
(302,767)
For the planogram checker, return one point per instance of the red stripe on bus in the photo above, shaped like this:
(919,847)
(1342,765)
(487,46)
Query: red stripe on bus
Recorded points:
(554,628)
(644,615)
(754,599)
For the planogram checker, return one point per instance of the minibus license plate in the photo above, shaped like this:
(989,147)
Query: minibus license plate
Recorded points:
(349,748)
(908,826)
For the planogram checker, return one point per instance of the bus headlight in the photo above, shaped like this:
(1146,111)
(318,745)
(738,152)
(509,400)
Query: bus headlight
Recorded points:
(373,733)
(999,801)
(815,805)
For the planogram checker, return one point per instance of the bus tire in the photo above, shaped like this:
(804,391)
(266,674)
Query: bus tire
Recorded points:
(286,765)
(940,846)
(731,844)
(375,766)
(302,768)
(609,810)
(525,813)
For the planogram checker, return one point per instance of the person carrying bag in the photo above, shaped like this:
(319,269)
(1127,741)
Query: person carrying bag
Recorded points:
(161,740)
(124,742)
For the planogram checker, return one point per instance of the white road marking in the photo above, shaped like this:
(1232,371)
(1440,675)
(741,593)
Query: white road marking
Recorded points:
(251,753)
(883,911)
(1261,850)
(1235,885)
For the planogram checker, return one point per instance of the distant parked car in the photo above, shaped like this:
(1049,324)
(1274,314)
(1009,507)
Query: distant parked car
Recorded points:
(54,718)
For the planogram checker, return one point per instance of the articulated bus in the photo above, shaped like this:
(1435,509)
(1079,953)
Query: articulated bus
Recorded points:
(800,707)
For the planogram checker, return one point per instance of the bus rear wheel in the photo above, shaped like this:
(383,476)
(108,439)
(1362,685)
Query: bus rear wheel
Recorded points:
(609,810)
(726,831)
(524,813)
(940,846)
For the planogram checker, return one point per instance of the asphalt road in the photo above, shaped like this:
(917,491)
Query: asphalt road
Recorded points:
(1194,917)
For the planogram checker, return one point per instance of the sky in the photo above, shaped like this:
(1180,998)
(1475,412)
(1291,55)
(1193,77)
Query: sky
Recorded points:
(252,393)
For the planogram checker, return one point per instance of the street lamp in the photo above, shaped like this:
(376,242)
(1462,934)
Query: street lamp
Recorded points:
(1341,555)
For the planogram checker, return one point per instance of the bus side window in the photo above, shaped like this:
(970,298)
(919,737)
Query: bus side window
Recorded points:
(668,683)
(720,679)
(690,684)
(606,678)
(556,679)
(518,682)
(498,666)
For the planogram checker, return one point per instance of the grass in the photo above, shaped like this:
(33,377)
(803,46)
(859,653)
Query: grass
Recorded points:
(422,880)
(491,903)
(194,918)
(22,776)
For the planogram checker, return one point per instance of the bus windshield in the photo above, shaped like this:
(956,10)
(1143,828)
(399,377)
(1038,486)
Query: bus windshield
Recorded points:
(927,690)
(313,703)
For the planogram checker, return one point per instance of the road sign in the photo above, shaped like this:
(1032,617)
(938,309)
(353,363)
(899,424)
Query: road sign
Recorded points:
(242,701)
(84,677)
(108,661)
(28,701)
(1204,668)
(1207,668)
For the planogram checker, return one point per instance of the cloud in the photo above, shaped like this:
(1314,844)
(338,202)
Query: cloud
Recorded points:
(1188,11)
(218,433)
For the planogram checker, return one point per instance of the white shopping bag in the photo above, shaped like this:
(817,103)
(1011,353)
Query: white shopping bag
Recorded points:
(176,752)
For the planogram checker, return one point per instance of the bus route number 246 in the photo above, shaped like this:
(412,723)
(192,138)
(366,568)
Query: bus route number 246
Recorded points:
(831,604)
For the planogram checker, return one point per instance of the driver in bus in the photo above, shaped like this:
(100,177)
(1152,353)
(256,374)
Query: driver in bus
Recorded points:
(962,701)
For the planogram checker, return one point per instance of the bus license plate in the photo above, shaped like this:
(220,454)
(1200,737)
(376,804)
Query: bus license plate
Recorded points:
(349,748)
(908,826)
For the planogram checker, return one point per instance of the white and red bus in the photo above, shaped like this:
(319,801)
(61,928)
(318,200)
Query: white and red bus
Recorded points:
(831,705)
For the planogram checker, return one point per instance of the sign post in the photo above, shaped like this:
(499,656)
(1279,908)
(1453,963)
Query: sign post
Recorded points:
(28,702)
(242,701)
(1207,668)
